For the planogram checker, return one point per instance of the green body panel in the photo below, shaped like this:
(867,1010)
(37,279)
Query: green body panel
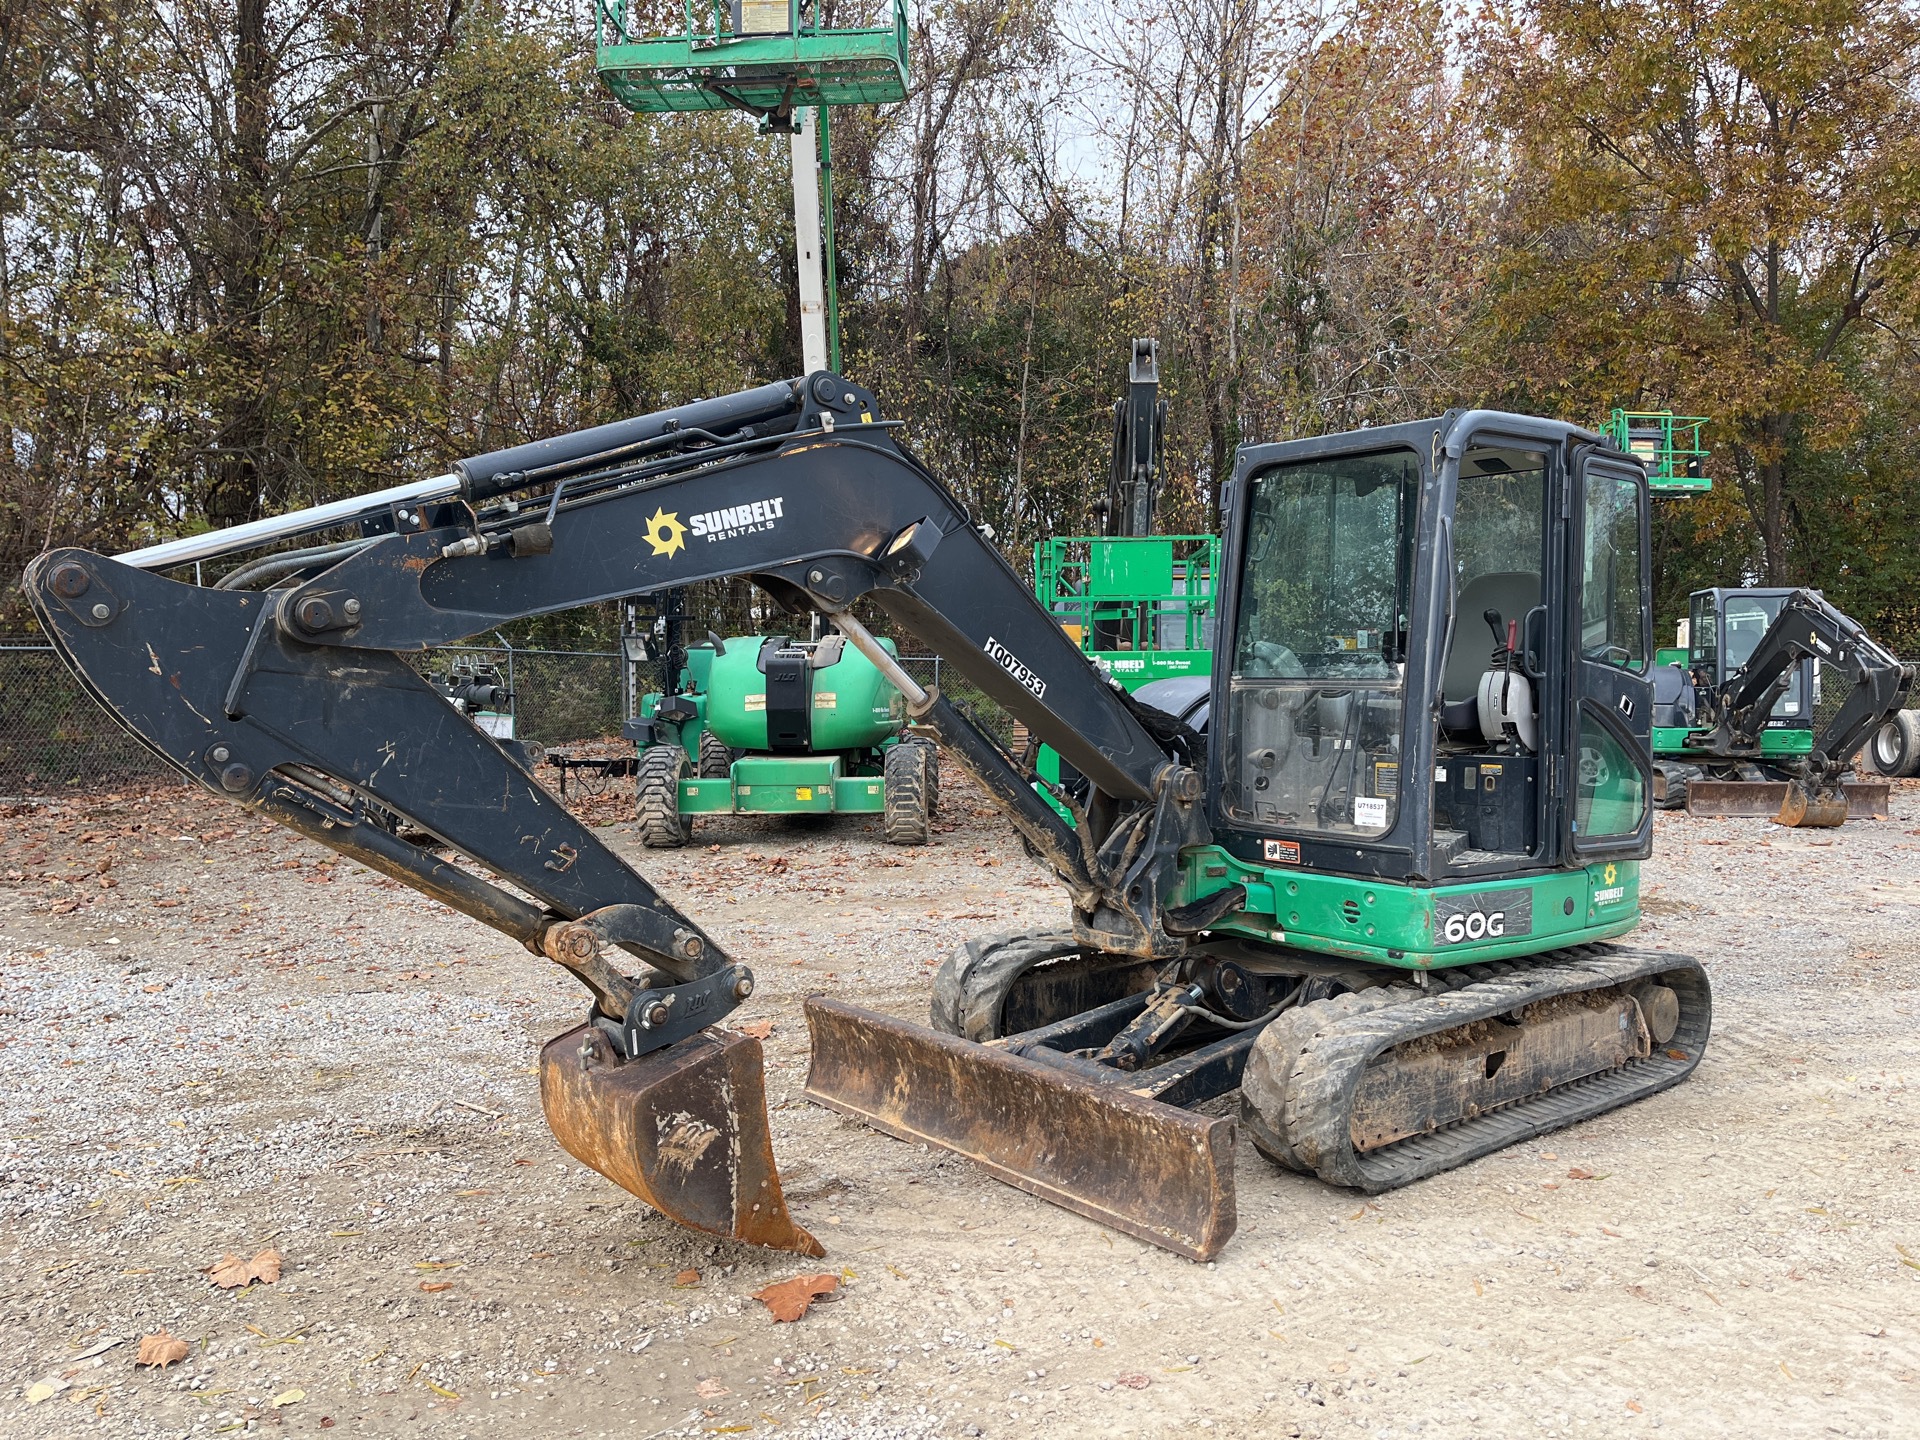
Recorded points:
(1134,668)
(706,797)
(860,794)
(1384,923)
(705,65)
(785,785)
(1670,741)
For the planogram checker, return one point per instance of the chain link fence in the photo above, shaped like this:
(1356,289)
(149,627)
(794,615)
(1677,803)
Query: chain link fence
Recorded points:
(54,737)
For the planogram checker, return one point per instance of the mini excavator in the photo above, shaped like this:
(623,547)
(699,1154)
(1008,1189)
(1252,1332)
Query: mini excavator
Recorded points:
(1381,899)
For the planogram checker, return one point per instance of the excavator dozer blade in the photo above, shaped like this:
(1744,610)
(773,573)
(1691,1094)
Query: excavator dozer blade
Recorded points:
(1776,800)
(1152,1170)
(684,1128)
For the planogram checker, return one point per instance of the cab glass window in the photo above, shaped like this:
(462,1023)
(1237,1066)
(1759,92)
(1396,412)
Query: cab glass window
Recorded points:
(1610,611)
(1319,652)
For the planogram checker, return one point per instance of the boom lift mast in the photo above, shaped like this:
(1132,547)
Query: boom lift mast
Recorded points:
(1276,911)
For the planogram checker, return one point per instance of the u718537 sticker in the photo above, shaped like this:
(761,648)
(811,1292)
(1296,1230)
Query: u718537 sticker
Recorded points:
(1482,915)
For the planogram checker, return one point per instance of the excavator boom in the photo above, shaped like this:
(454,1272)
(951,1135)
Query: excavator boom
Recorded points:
(296,702)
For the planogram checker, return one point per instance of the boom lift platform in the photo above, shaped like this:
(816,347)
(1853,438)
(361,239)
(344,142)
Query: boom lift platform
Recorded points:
(1380,901)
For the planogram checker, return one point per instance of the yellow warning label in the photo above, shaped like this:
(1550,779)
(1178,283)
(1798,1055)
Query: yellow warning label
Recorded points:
(803,792)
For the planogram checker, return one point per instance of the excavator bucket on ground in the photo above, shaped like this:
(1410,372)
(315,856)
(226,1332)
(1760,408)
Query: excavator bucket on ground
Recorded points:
(1139,1165)
(1789,802)
(684,1128)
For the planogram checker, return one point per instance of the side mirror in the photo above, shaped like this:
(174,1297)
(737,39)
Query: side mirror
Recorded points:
(1533,643)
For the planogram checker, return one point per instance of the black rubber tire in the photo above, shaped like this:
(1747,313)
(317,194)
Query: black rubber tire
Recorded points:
(716,757)
(656,797)
(970,991)
(908,815)
(933,777)
(1894,749)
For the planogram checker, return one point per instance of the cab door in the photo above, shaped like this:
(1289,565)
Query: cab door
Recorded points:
(1608,761)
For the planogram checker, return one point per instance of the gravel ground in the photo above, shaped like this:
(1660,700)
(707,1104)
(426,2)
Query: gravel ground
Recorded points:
(217,1040)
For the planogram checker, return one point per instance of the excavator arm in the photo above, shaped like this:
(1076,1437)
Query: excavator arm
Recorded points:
(296,702)
(1807,627)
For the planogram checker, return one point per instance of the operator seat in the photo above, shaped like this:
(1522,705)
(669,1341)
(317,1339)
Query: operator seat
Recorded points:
(1513,593)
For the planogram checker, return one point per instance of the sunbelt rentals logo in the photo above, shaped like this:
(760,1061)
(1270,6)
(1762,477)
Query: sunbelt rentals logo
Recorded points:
(735,520)
(1614,891)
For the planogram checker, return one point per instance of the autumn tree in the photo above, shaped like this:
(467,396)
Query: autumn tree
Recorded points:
(1713,206)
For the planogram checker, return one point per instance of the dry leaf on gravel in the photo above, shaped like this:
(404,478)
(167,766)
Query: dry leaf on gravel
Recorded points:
(1580,1173)
(162,1349)
(790,1299)
(687,1278)
(434,1287)
(286,1398)
(230,1272)
(758,1029)
(1134,1380)
(712,1390)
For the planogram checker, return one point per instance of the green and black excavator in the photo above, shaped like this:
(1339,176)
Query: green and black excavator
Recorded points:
(1381,899)
(1734,728)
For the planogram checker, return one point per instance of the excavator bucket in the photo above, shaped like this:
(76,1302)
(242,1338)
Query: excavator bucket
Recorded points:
(1789,802)
(684,1128)
(1150,1169)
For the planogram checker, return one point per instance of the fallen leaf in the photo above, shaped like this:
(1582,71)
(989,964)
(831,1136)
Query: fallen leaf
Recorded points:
(230,1272)
(326,1422)
(44,1390)
(1133,1380)
(162,1349)
(1634,1406)
(686,1279)
(790,1299)
(711,1389)
(286,1398)
(758,1029)
(1578,1173)
(436,1286)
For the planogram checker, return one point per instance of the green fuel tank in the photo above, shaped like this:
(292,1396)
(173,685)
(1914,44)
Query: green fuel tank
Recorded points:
(770,694)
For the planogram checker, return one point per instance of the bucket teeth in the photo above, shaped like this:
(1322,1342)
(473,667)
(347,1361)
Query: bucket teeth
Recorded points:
(684,1128)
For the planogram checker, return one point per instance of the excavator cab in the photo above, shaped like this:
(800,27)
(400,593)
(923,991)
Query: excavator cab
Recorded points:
(1464,600)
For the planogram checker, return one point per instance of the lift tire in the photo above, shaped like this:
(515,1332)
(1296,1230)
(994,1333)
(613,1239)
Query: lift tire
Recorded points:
(1894,748)
(933,777)
(908,815)
(656,798)
(716,757)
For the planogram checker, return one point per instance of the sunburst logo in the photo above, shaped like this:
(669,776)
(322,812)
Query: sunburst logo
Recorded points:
(1611,874)
(666,534)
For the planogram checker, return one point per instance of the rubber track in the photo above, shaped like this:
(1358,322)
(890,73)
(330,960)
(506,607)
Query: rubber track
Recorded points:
(1314,1059)
(973,982)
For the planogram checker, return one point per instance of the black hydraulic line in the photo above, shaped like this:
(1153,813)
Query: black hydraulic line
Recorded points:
(275,567)
(498,471)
